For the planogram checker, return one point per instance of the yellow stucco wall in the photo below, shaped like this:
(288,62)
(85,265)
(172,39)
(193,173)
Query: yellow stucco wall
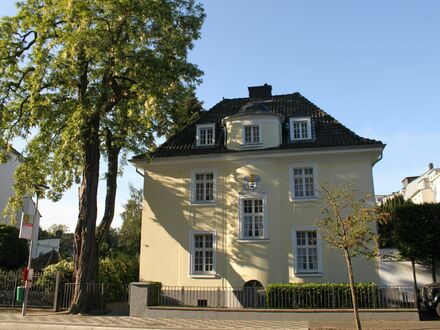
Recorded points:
(169,217)
(270,129)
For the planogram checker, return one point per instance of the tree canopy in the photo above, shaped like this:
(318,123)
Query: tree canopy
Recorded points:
(130,233)
(81,79)
(417,231)
(346,224)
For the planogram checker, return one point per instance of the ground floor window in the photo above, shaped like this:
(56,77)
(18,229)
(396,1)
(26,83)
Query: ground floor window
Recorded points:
(307,251)
(203,253)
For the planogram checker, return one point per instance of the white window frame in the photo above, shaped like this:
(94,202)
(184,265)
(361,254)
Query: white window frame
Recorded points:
(292,120)
(253,196)
(305,273)
(196,171)
(252,127)
(198,137)
(243,133)
(313,166)
(192,250)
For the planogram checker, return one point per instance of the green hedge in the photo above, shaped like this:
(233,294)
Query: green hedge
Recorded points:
(320,295)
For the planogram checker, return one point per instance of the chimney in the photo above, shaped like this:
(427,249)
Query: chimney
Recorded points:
(260,92)
(430,166)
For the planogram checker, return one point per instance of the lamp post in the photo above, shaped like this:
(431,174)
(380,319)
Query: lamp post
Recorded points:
(38,189)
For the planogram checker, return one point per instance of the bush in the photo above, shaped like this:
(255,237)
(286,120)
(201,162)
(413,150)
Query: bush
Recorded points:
(65,267)
(319,295)
(13,250)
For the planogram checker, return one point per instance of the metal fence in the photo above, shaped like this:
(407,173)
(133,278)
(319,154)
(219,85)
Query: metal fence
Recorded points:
(101,297)
(42,294)
(379,298)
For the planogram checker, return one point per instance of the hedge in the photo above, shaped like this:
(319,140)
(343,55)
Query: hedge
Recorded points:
(320,295)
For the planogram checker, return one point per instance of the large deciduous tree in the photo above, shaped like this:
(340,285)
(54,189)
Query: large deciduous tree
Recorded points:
(81,79)
(346,224)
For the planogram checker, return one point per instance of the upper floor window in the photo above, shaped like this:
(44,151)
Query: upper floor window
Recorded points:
(253,219)
(300,129)
(203,186)
(205,135)
(251,134)
(303,182)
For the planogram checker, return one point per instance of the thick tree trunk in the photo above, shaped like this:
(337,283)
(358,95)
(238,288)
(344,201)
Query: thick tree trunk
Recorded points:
(434,269)
(352,289)
(86,261)
(111,179)
(416,290)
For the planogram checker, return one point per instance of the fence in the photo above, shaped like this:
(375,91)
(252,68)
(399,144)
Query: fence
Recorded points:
(380,298)
(101,297)
(42,293)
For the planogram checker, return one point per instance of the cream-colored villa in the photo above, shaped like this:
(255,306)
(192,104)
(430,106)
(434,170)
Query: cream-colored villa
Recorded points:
(232,198)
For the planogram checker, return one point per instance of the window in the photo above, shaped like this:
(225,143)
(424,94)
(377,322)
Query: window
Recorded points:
(203,253)
(300,129)
(303,186)
(307,251)
(203,186)
(253,218)
(205,135)
(251,134)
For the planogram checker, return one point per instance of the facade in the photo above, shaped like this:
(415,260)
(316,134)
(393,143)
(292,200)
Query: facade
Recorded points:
(6,191)
(6,184)
(232,199)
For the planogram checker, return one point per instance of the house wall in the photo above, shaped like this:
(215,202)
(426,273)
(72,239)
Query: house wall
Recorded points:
(169,217)
(270,129)
(6,186)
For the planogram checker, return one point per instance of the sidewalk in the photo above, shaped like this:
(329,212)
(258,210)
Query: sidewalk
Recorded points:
(39,320)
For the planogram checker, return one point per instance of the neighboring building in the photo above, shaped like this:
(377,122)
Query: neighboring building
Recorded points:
(48,245)
(233,197)
(6,185)
(421,189)
(6,191)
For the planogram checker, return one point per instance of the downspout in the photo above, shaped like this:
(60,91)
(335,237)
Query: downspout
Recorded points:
(139,172)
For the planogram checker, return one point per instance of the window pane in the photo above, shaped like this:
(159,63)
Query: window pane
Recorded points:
(203,256)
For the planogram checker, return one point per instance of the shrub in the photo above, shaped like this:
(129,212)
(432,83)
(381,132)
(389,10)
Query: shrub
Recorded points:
(13,250)
(65,267)
(319,295)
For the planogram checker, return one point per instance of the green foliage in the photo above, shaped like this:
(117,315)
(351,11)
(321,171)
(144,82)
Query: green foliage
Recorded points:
(385,228)
(13,250)
(154,290)
(417,231)
(65,267)
(347,221)
(319,295)
(130,233)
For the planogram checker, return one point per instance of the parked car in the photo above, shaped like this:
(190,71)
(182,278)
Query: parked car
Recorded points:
(431,297)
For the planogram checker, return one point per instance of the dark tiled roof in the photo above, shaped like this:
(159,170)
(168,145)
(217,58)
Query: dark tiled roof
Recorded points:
(326,131)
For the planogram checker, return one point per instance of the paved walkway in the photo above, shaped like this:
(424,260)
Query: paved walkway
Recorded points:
(37,320)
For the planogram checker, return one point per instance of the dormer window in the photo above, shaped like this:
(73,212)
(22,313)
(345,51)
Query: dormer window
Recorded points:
(300,129)
(251,134)
(205,135)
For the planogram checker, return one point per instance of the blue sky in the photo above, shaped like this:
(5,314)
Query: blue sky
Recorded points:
(373,65)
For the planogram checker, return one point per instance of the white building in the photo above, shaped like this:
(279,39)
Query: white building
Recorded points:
(6,191)
(424,188)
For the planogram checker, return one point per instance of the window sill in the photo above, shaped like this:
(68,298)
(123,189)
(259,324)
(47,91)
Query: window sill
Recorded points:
(308,274)
(203,203)
(299,140)
(259,240)
(252,145)
(304,200)
(207,276)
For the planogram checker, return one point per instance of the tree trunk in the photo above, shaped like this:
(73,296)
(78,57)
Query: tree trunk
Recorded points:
(86,260)
(434,269)
(110,197)
(416,290)
(352,289)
